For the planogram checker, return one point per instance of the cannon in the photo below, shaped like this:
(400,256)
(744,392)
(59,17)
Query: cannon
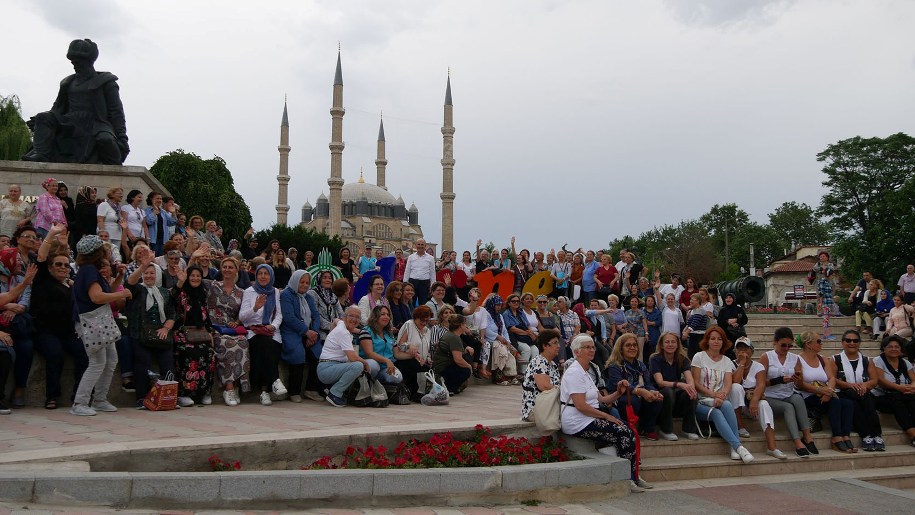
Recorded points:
(746,289)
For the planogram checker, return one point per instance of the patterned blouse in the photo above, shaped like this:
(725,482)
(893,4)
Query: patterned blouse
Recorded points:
(635,317)
(223,307)
(538,365)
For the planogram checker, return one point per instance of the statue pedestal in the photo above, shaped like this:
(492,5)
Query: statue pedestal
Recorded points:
(29,175)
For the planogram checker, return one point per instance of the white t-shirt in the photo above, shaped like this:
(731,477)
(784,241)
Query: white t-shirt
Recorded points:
(576,380)
(671,320)
(750,381)
(903,378)
(532,320)
(711,373)
(111,219)
(338,342)
(135,219)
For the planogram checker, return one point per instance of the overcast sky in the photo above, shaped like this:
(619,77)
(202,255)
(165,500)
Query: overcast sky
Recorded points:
(575,122)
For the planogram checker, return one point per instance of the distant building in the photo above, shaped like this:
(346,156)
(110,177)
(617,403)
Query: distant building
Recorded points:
(782,274)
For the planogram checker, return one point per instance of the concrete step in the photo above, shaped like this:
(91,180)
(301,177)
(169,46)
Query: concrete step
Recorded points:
(756,444)
(721,466)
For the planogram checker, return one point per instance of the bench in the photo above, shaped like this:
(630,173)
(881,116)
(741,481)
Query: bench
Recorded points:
(790,297)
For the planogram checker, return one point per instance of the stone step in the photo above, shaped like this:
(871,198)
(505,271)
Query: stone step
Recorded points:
(756,444)
(721,466)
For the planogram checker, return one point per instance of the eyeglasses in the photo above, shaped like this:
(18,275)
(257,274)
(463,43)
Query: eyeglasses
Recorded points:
(851,340)
(28,237)
(60,264)
(819,341)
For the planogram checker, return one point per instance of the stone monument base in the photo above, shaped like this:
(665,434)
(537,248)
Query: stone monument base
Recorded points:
(29,175)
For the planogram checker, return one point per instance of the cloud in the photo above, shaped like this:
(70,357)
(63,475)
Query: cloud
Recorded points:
(93,19)
(727,13)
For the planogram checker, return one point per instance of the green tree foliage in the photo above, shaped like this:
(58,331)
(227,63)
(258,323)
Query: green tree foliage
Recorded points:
(15,137)
(301,237)
(871,191)
(205,188)
(798,223)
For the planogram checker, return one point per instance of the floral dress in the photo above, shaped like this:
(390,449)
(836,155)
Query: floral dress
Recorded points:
(195,362)
(538,365)
(233,360)
(635,317)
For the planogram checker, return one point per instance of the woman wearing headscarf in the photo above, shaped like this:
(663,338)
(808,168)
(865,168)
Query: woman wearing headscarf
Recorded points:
(299,331)
(495,334)
(732,318)
(326,301)
(233,361)
(84,218)
(63,193)
(49,209)
(151,308)
(882,310)
(261,314)
(196,359)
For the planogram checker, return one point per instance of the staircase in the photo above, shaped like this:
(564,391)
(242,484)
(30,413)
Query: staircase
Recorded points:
(761,327)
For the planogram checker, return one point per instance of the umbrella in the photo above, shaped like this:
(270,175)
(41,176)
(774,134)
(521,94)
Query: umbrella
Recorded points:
(632,421)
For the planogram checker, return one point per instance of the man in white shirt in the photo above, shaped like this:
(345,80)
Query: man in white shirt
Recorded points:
(420,271)
(907,284)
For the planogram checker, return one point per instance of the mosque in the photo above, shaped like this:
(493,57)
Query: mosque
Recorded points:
(362,213)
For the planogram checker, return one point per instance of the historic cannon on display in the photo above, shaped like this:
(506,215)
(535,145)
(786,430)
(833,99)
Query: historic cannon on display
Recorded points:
(745,289)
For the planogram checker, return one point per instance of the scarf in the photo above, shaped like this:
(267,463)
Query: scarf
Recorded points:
(884,306)
(194,311)
(293,285)
(852,375)
(269,291)
(83,194)
(8,259)
(154,299)
(899,375)
(492,307)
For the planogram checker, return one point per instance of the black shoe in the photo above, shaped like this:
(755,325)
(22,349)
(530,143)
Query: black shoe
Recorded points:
(812,447)
(802,452)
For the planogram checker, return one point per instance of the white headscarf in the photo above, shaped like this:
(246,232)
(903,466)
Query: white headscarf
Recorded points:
(154,296)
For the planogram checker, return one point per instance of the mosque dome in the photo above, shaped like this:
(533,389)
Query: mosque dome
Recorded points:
(355,191)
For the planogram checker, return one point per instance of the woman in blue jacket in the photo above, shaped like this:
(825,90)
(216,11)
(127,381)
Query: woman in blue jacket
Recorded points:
(299,331)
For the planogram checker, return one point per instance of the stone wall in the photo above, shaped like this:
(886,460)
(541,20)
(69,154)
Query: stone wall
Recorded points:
(29,176)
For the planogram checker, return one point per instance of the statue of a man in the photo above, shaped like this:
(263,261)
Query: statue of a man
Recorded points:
(86,123)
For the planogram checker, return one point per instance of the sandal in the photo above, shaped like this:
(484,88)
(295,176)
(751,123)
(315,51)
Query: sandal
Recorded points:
(50,404)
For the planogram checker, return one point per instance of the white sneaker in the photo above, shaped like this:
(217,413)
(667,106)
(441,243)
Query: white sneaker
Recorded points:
(207,400)
(691,436)
(185,402)
(229,397)
(743,433)
(105,406)
(670,437)
(745,455)
(265,399)
(777,454)
(82,410)
(634,488)
(734,455)
(643,484)
(278,389)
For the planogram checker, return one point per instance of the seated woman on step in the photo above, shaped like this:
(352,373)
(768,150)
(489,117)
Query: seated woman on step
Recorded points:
(896,391)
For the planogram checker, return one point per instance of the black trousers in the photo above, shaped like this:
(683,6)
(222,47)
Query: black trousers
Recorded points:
(410,368)
(142,361)
(265,356)
(312,383)
(866,421)
(422,290)
(901,406)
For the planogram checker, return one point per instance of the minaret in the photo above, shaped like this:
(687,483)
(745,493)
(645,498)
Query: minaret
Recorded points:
(335,182)
(447,195)
(380,161)
(282,198)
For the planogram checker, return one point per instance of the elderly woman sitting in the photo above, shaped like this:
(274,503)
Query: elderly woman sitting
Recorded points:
(542,373)
(581,415)
(340,364)
(896,391)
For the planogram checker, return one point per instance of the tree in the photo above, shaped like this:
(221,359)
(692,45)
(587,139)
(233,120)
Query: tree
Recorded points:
(724,221)
(871,191)
(15,137)
(301,237)
(691,252)
(205,188)
(799,224)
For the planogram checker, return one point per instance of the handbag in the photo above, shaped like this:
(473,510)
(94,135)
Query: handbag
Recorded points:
(150,339)
(359,393)
(546,411)
(379,395)
(196,335)
(97,328)
(438,394)
(163,396)
(398,394)
(261,330)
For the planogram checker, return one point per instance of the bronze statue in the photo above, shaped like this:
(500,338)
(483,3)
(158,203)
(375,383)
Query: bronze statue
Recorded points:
(86,123)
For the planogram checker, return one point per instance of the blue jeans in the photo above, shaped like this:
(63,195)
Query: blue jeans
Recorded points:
(841,413)
(725,421)
(125,354)
(381,373)
(21,331)
(339,375)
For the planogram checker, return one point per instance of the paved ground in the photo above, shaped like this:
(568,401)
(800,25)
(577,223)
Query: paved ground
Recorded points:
(833,497)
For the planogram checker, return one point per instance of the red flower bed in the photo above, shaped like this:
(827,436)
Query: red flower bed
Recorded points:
(219,465)
(443,450)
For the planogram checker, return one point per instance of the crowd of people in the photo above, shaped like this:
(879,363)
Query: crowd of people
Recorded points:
(221,318)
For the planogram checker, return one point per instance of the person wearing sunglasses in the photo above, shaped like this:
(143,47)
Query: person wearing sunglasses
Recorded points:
(816,378)
(856,378)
